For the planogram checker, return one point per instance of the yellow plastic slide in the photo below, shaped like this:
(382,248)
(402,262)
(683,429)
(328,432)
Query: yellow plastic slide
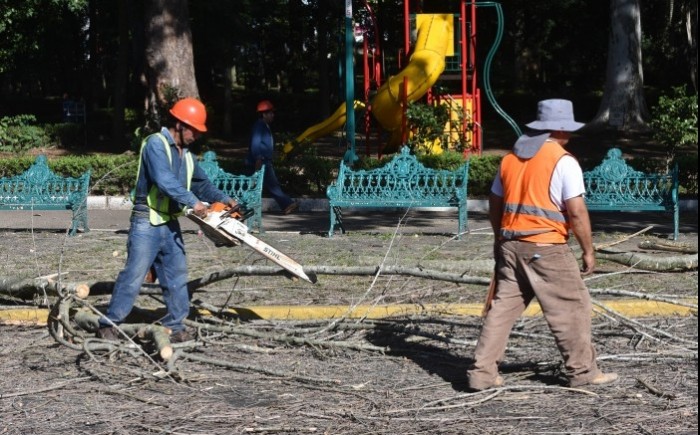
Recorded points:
(324,128)
(424,68)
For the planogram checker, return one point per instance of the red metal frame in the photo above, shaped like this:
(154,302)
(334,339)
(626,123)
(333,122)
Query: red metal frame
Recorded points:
(469,93)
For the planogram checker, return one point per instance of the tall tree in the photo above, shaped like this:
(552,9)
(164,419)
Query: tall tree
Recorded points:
(623,106)
(121,76)
(169,56)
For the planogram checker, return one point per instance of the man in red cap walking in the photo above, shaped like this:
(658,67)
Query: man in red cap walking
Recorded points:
(260,153)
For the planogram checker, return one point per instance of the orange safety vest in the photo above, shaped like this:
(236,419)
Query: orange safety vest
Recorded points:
(528,211)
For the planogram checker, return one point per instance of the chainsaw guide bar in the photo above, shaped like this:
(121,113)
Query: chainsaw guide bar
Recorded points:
(222,227)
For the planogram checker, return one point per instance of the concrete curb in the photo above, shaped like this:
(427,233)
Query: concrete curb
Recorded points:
(321,204)
(631,308)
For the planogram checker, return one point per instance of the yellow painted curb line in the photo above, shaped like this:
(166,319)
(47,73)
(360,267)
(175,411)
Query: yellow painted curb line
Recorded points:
(629,308)
(21,316)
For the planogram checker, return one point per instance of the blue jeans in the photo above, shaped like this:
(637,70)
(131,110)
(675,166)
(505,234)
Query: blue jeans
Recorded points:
(272,186)
(161,246)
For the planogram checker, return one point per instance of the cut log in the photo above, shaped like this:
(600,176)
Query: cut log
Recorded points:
(654,263)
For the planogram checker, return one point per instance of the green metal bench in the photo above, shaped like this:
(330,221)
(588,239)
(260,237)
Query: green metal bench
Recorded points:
(615,186)
(403,182)
(38,188)
(247,190)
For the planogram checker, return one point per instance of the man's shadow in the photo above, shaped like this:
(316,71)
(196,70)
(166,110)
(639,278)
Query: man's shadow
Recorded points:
(410,339)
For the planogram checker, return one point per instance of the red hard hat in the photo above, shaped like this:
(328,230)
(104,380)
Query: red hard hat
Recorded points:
(265,106)
(191,112)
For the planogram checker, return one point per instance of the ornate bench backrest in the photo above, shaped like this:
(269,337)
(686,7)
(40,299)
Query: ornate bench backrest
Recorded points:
(614,182)
(39,185)
(247,189)
(402,178)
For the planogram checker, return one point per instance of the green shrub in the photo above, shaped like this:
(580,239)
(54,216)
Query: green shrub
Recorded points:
(66,135)
(675,121)
(313,171)
(15,166)
(307,174)
(687,170)
(20,133)
(688,173)
(482,170)
(449,160)
(427,125)
(111,175)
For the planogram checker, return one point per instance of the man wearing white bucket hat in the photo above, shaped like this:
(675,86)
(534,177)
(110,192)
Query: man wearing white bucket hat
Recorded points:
(536,199)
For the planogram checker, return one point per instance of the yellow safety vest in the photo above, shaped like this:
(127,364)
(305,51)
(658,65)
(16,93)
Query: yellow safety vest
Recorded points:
(158,203)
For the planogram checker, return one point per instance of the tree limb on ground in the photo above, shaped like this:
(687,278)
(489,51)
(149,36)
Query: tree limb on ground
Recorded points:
(667,245)
(26,288)
(677,263)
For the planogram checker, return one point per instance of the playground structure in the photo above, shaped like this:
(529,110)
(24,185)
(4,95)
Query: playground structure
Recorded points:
(442,52)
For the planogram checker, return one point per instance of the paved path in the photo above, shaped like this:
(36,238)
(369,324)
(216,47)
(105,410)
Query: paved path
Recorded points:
(368,221)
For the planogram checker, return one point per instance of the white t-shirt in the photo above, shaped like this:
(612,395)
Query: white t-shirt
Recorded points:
(567,182)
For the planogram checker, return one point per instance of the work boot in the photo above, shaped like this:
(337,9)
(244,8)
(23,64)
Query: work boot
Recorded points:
(498,382)
(291,208)
(604,378)
(108,333)
(151,276)
(180,336)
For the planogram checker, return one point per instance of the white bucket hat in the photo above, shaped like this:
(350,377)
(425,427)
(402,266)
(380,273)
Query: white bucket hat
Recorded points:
(552,115)
(555,115)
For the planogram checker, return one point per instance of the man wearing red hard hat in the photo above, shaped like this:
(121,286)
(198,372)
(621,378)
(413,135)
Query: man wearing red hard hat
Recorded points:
(168,180)
(260,154)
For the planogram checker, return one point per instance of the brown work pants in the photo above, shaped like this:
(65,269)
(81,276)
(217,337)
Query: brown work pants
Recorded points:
(551,274)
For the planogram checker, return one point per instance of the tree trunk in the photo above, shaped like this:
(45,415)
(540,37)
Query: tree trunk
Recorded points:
(121,77)
(623,106)
(295,40)
(169,57)
(691,27)
(324,87)
(227,121)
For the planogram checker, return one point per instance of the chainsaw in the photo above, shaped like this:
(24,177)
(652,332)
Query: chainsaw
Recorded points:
(225,226)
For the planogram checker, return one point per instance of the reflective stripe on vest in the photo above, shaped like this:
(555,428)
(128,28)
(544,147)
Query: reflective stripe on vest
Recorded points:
(158,203)
(529,213)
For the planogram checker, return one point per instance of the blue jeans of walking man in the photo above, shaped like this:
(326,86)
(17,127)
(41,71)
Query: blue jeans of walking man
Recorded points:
(161,246)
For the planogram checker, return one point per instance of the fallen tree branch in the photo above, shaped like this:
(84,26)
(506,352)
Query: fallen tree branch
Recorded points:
(418,272)
(43,390)
(667,245)
(26,288)
(283,338)
(639,327)
(248,368)
(681,302)
(655,390)
(677,263)
(601,246)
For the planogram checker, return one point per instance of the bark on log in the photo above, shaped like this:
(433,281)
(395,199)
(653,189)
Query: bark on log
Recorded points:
(339,270)
(26,288)
(677,263)
(668,246)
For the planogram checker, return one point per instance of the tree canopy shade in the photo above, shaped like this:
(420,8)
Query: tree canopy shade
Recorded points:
(121,56)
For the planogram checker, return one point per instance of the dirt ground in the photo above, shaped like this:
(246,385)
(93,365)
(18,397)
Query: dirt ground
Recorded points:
(404,374)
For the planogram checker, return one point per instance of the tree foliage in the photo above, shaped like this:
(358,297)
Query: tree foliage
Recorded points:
(675,121)
(295,47)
